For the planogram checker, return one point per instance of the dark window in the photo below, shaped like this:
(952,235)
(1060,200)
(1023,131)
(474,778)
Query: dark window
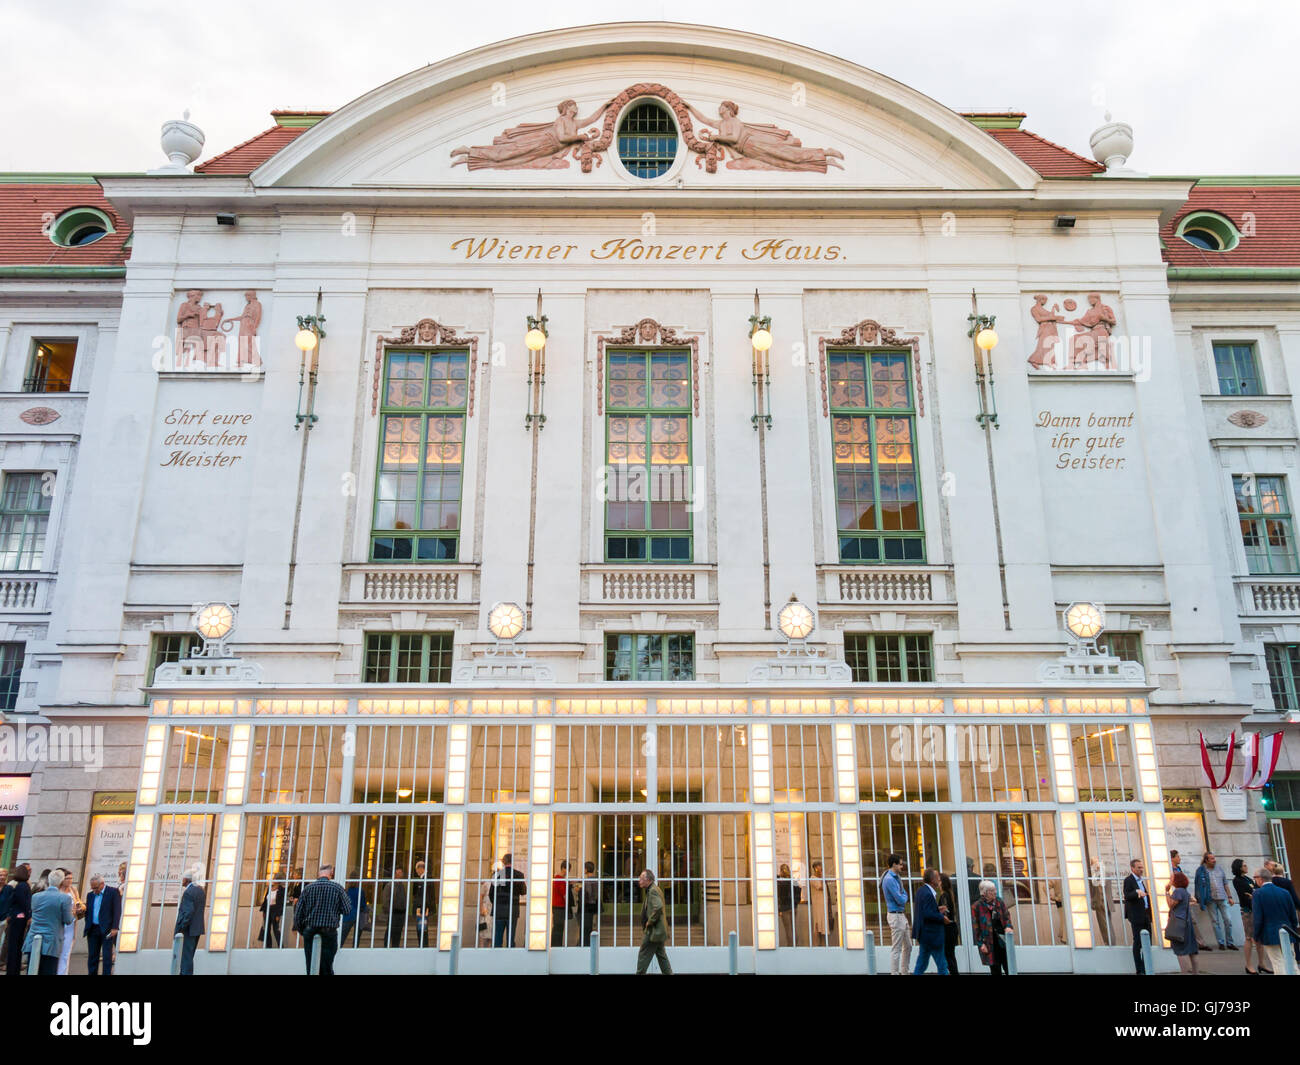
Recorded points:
(890,657)
(11,671)
(1283,661)
(1238,368)
(647,140)
(649,656)
(1124,645)
(50,368)
(408,658)
(1284,792)
(168,647)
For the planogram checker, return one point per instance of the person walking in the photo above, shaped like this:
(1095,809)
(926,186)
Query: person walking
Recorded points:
(654,926)
(788,896)
(951,930)
(51,914)
(1137,909)
(821,899)
(929,919)
(1180,922)
(426,903)
(189,918)
(1244,886)
(900,935)
(590,902)
(509,887)
(272,910)
(1176,866)
(991,923)
(561,905)
(1213,897)
(321,906)
(20,912)
(103,917)
(1272,909)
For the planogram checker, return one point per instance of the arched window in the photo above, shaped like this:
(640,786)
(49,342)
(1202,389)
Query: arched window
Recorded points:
(647,140)
(1208,231)
(80,226)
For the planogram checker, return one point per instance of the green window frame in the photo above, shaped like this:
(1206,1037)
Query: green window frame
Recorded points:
(1283,662)
(649,476)
(1237,366)
(1282,794)
(420,465)
(873,453)
(1267,526)
(407,658)
(11,672)
(24,519)
(1126,646)
(168,647)
(649,656)
(890,657)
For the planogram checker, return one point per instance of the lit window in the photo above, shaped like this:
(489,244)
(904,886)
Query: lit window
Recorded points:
(168,647)
(421,457)
(1266,527)
(1208,231)
(50,366)
(649,477)
(24,520)
(647,140)
(408,658)
(890,657)
(649,656)
(873,442)
(1238,368)
(11,671)
(79,226)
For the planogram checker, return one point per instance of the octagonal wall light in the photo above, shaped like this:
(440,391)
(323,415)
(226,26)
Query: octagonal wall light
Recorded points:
(506,620)
(795,620)
(1084,622)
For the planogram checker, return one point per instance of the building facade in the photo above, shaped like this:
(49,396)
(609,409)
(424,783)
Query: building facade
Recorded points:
(595,448)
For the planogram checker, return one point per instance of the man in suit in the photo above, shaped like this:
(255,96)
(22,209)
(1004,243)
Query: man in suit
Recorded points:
(1272,909)
(654,926)
(508,889)
(103,915)
(189,918)
(1137,909)
(928,920)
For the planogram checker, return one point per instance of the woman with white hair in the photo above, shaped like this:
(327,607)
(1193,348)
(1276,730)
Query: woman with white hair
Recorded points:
(70,933)
(992,921)
(51,913)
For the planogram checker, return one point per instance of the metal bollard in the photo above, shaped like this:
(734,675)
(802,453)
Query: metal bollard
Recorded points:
(594,965)
(314,969)
(1288,952)
(34,958)
(178,941)
(453,963)
(733,953)
(1011,952)
(1148,961)
(871,953)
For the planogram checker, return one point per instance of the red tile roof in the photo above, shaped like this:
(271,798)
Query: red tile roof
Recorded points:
(25,211)
(247,157)
(1268,217)
(1050,160)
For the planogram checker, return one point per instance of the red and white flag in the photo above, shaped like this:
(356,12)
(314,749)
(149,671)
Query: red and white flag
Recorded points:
(1261,759)
(1227,766)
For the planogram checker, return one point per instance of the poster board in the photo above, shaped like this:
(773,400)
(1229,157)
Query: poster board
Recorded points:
(188,842)
(108,843)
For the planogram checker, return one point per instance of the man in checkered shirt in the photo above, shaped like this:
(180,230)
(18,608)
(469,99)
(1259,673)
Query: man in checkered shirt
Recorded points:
(320,906)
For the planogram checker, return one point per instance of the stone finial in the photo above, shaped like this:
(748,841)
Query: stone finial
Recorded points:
(1112,144)
(182,140)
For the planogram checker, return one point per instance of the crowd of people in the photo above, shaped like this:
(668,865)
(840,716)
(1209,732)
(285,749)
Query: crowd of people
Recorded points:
(41,916)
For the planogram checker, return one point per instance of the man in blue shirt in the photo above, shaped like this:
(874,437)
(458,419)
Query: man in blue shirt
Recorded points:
(900,934)
(1214,896)
(103,915)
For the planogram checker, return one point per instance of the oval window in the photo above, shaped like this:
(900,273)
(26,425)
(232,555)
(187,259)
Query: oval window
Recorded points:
(647,140)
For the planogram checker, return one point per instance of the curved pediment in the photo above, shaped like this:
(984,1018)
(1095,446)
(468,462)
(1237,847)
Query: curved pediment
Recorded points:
(744,111)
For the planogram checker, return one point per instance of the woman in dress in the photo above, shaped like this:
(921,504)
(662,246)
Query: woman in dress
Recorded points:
(821,897)
(762,146)
(1245,888)
(952,930)
(20,913)
(1180,900)
(992,922)
(69,931)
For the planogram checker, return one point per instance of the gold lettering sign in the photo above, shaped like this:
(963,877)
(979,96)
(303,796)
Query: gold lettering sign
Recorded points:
(646,250)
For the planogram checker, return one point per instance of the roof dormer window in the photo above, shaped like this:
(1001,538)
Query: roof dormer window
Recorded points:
(1208,231)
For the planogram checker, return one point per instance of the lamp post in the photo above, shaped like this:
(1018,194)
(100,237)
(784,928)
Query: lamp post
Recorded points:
(984,336)
(535,342)
(760,338)
(311,330)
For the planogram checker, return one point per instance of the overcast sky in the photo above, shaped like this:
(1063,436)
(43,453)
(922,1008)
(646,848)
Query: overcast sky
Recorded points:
(1209,88)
